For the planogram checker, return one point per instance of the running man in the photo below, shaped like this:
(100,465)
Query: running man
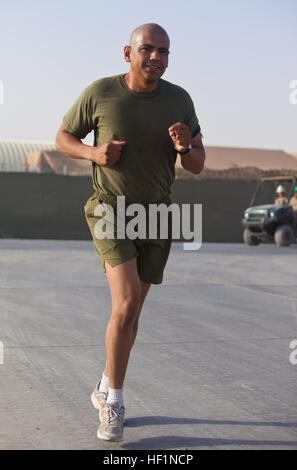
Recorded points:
(141,123)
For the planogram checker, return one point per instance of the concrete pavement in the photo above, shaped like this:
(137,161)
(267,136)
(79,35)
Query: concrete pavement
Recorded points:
(210,367)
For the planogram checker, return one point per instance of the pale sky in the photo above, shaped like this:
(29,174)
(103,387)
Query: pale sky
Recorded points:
(235,57)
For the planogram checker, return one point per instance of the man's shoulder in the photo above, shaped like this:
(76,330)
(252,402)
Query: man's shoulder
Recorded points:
(175,89)
(103,85)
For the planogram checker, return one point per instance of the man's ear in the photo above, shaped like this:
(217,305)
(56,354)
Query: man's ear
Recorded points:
(127,52)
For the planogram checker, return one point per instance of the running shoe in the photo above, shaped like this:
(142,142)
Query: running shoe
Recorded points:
(111,425)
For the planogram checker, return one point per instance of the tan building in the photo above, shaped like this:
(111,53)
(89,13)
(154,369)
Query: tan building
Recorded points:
(221,158)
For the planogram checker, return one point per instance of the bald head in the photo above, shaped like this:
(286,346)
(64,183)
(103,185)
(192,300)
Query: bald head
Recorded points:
(152,28)
(147,54)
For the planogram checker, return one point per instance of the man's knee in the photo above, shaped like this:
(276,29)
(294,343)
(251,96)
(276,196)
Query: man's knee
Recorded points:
(127,311)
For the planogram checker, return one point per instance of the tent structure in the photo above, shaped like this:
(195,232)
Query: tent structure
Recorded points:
(13,152)
(219,158)
(42,156)
(52,161)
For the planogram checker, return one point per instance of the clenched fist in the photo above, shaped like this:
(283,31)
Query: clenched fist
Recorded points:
(108,153)
(180,135)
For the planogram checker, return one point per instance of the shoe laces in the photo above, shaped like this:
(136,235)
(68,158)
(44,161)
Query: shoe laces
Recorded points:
(113,414)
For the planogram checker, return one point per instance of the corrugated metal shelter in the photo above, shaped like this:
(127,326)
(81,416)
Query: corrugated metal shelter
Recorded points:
(13,152)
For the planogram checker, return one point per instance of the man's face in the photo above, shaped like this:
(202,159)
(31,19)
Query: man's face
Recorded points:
(148,55)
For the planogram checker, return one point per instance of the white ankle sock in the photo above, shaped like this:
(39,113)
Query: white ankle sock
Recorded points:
(104,384)
(115,395)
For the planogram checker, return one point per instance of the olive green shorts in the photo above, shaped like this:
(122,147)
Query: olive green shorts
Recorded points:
(152,254)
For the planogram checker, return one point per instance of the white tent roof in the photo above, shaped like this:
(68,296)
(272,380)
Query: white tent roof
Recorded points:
(13,152)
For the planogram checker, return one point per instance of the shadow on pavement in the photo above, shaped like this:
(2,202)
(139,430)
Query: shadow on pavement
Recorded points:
(173,442)
(157,420)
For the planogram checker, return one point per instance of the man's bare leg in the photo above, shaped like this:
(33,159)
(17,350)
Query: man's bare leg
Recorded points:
(128,293)
(145,286)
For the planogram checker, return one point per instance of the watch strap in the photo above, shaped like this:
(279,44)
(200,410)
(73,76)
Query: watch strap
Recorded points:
(185,151)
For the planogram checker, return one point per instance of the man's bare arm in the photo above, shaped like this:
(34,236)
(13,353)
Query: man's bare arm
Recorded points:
(181,137)
(72,146)
(105,155)
(194,160)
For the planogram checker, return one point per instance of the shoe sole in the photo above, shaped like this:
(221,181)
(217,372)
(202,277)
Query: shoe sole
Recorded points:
(96,405)
(105,438)
(95,402)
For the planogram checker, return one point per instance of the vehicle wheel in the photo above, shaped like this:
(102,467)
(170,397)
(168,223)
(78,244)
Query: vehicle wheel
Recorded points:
(250,239)
(284,235)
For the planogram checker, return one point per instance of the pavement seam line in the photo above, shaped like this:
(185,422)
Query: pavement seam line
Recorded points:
(155,343)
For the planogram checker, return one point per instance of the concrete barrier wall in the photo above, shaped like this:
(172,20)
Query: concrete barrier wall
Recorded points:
(51,206)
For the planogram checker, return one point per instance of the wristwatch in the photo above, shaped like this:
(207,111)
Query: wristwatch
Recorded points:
(184,152)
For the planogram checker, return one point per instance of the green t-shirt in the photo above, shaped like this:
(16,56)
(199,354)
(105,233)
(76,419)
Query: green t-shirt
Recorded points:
(145,171)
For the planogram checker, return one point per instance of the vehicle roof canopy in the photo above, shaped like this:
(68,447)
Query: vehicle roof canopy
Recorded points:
(277,178)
